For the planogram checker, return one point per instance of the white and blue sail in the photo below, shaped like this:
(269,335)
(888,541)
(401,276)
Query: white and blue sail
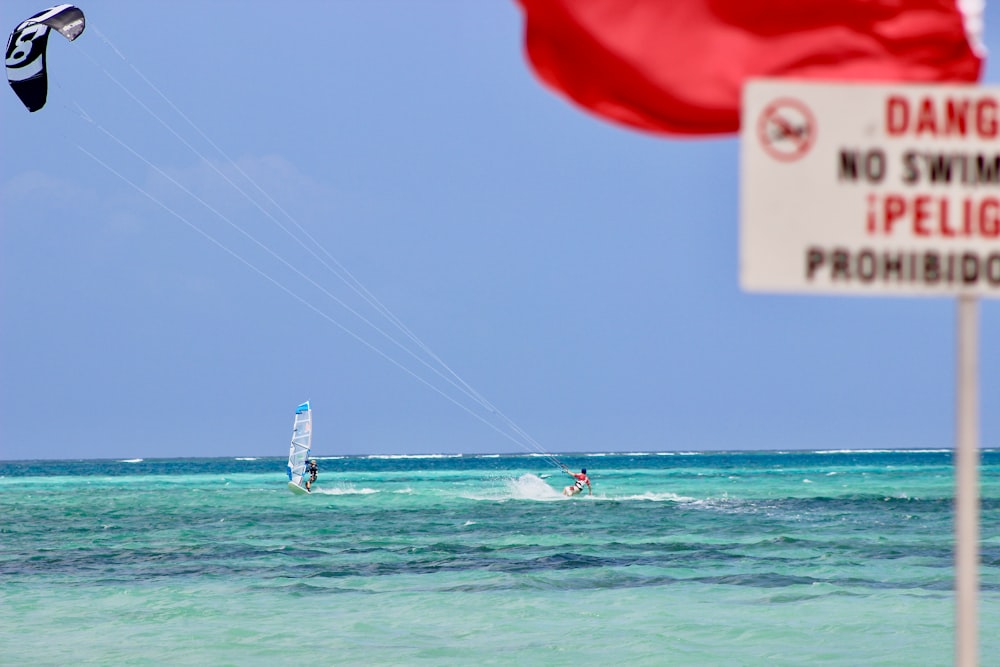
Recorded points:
(298,453)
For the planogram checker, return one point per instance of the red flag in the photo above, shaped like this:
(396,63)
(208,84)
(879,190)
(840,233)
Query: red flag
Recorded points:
(678,66)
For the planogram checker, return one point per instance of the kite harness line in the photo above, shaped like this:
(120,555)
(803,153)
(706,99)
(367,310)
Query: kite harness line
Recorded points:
(373,326)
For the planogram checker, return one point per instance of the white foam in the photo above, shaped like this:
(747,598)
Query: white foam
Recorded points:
(656,497)
(345,491)
(532,487)
(414,456)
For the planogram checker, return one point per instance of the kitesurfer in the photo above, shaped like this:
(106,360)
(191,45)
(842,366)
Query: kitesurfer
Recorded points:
(577,486)
(313,470)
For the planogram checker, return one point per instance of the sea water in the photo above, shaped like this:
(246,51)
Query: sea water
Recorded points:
(716,558)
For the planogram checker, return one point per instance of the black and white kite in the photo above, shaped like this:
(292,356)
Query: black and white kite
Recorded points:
(26,51)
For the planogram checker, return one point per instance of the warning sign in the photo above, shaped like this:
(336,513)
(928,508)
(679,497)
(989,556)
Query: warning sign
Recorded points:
(870,189)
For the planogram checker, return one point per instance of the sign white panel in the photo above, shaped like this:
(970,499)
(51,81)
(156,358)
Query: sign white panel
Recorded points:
(870,189)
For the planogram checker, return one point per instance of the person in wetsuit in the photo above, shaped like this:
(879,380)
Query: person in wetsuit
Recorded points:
(313,470)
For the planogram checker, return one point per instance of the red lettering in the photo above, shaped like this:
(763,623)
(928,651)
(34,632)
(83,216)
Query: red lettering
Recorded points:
(946,229)
(920,215)
(897,115)
(871,214)
(986,118)
(956,115)
(939,216)
(947,117)
(989,217)
(895,208)
(926,121)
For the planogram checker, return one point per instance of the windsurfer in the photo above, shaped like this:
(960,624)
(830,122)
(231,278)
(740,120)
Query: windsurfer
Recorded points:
(577,486)
(313,470)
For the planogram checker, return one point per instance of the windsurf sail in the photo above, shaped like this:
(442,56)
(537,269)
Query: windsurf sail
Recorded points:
(298,453)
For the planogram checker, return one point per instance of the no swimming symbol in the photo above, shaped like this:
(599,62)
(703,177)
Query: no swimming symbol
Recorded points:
(786,129)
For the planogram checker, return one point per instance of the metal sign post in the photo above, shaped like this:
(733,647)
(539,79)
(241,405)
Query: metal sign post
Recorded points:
(967,486)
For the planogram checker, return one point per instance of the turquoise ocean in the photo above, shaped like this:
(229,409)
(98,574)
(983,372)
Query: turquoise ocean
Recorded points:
(716,558)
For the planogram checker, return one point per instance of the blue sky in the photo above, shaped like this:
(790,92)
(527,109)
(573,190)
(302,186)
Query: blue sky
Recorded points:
(581,278)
